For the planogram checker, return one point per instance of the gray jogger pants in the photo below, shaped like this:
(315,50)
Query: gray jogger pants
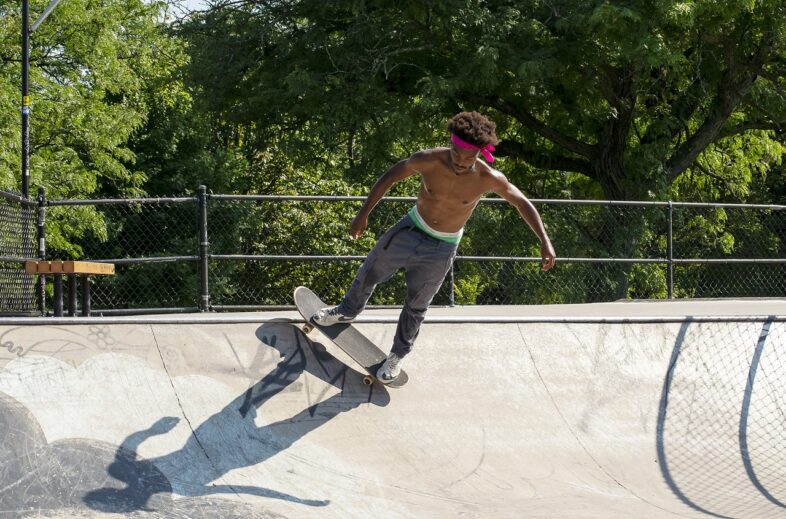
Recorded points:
(425,260)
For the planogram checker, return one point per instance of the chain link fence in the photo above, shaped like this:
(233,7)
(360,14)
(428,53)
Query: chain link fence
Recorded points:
(18,237)
(152,242)
(226,252)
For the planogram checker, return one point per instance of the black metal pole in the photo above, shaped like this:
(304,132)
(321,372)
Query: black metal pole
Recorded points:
(41,248)
(670,251)
(204,292)
(72,295)
(452,284)
(86,305)
(58,295)
(25,99)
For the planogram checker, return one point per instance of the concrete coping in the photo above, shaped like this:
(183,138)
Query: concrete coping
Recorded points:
(723,310)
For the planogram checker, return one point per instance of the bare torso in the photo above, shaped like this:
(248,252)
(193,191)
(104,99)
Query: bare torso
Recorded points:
(452,183)
(447,198)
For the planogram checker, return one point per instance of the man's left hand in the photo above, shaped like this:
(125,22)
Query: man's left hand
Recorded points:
(548,255)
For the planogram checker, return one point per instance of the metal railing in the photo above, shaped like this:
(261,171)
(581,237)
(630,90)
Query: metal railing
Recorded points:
(232,252)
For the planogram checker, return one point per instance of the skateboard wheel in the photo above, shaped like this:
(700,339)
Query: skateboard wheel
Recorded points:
(307,328)
(368,380)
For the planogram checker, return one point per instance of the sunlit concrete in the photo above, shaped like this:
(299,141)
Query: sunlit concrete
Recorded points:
(680,418)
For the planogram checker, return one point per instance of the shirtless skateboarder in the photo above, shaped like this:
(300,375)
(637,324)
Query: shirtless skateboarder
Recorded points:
(424,242)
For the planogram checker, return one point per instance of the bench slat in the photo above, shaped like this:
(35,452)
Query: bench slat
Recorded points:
(69,267)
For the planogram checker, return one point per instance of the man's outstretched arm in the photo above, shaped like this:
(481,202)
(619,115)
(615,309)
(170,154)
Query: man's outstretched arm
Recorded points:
(401,170)
(529,213)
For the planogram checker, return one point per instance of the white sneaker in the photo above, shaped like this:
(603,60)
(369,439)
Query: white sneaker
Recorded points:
(330,316)
(390,370)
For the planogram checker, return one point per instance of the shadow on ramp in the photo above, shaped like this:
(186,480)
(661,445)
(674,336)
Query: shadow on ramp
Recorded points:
(720,432)
(230,439)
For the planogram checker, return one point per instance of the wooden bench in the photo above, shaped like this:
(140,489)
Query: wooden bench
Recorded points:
(74,270)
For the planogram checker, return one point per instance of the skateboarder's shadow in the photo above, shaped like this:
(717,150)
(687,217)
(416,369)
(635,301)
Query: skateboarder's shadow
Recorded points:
(231,439)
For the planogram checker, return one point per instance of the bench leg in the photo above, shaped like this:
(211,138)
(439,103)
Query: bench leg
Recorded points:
(72,296)
(86,296)
(58,295)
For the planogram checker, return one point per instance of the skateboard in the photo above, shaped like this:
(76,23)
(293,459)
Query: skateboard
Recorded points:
(346,337)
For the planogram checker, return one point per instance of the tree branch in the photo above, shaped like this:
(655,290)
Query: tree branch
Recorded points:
(774,79)
(682,109)
(527,119)
(736,83)
(744,127)
(709,173)
(542,160)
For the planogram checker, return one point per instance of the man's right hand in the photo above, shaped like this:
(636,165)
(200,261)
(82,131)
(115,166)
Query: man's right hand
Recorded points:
(358,226)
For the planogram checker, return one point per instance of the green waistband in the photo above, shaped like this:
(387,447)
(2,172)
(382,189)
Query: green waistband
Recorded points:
(454,238)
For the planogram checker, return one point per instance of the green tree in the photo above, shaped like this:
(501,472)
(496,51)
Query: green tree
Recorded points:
(639,99)
(103,74)
(91,62)
(96,69)
(627,94)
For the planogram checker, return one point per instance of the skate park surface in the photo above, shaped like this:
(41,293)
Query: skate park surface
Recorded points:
(607,410)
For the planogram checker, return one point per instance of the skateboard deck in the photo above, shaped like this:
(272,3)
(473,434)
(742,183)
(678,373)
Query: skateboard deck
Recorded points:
(346,337)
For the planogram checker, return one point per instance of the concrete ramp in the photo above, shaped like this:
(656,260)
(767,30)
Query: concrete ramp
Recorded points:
(559,416)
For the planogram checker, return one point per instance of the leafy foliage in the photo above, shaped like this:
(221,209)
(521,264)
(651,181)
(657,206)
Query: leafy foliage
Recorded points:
(627,95)
(642,99)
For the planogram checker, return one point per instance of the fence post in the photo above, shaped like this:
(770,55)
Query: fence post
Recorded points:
(41,287)
(452,285)
(670,250)
(204,292)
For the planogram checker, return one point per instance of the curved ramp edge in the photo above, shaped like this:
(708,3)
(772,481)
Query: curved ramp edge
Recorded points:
(670,419)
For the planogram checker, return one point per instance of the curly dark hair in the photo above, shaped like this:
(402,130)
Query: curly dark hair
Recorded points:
(474,128)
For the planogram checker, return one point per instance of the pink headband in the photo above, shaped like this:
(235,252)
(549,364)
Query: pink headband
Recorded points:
(485,150)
